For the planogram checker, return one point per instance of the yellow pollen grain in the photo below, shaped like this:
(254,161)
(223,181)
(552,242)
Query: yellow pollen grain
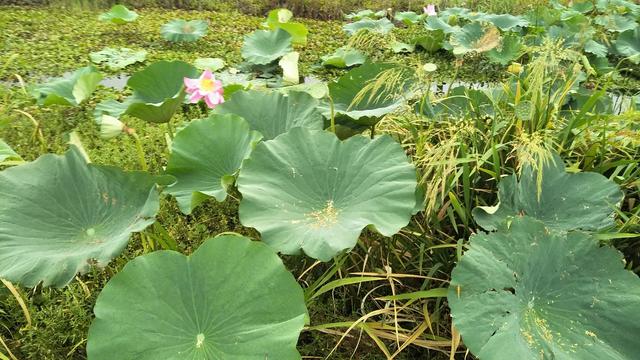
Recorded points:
(323,218)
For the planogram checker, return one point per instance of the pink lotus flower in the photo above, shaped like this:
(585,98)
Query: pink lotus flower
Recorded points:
(207,87)
(430,10)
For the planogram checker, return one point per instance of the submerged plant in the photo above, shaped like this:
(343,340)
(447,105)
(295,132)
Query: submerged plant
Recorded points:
(232,298)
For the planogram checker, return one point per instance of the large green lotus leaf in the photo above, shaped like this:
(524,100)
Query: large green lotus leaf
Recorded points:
(381,26)
(263,47)
(59,215)
(70,91)
(616,23)
(430,42)
(369,109)
(566,202)
(184,31)
(506,22)
(509,50)
(463,102)
(119,14)
(344,57)
(434,23)
(158,90)
(273,113)
(596,48)
(474,37)
(308,190)
(118,58)
(7,153)
(400,47)
(530,293)
(362,14)
(408,17)
(205,156)
(232,299)
(280,19)
(628,44)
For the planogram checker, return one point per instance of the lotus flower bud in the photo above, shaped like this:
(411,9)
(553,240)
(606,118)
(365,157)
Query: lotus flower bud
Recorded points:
(111,127)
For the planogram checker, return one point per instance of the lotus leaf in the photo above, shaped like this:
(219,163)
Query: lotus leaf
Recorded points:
(344,57)
(279,19)
(158,90)
(430,42)
(59,215)
(408,17)
(118,58)
(528,292)
(369,109)
(110,107)
(616,23)
(205,156)
(263,47)
(400,47)
(463,102)
(184,31)
(434,23)
(628,44)
(212,64)
(307,190)
(119,14)
(382,26)
(70,91)
(596,48)
(509,50)
(506,22)
(7,153)
(232,299)
(566,202)
(474,38)
(362,14)
(273,113)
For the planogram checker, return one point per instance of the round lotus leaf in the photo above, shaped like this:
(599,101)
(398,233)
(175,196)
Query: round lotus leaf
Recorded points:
(382,26)
(344,57)
(119,14)
(205,156)
(508,51)
(232,299)
(505,22)
(69,90)
(408,17)
(308,190)
(527,292)
(59,215)
(184,31)
(367,107)
(566,201)
(263,47)
(158,90)
(474,37)
(273,113)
